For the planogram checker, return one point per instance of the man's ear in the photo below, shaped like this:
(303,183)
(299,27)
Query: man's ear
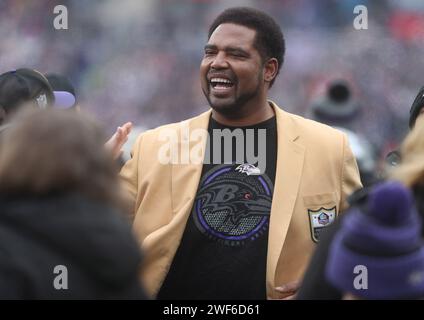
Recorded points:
(270,69)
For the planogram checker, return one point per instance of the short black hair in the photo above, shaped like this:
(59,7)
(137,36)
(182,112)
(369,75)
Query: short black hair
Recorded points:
(269,40)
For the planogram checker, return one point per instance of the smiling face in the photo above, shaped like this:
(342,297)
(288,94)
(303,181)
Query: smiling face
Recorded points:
(232,70)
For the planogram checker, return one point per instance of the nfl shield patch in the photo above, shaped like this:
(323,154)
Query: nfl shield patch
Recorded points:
(319,219)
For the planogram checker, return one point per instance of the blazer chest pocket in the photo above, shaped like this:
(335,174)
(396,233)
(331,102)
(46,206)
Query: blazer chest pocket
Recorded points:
(319,200)
(321,210)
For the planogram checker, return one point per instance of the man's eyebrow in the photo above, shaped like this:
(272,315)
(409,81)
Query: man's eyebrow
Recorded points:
(210,46)
(228,49)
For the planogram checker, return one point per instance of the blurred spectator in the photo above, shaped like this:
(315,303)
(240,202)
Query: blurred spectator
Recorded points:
(23,88)
(411,169)
(64,92)
(61,205)
(383,237)
(337,107)
(365,156)
(410,172)
(394,157)
(416,108)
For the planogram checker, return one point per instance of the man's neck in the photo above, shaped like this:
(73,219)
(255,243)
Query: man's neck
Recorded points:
(257,115)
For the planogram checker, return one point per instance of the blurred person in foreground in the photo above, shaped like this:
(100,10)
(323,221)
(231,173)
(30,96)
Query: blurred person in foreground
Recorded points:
(410,172)
(23,88)
(231,229)
(378,252)
(61,205)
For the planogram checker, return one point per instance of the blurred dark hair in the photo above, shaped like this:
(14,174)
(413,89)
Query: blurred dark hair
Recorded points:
(416,107)
(22,86)
(46,152)
(269,40)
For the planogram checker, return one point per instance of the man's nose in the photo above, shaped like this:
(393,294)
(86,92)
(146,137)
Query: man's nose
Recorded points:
(219,62)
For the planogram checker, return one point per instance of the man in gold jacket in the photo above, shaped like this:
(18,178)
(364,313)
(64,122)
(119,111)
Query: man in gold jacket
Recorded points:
(313,173)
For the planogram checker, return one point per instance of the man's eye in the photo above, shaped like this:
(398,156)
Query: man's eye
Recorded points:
(238,55)
(208,53)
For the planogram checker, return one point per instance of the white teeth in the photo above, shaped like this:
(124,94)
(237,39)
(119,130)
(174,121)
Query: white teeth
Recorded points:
(220,80)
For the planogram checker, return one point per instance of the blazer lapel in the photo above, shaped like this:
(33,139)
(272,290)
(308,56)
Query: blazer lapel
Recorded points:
(186,174)
(290,156)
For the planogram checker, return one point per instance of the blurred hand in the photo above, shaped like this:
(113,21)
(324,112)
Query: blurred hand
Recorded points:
(115,143)
(288,291)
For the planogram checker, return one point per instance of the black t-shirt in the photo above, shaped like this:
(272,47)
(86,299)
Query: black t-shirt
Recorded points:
(223,251)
